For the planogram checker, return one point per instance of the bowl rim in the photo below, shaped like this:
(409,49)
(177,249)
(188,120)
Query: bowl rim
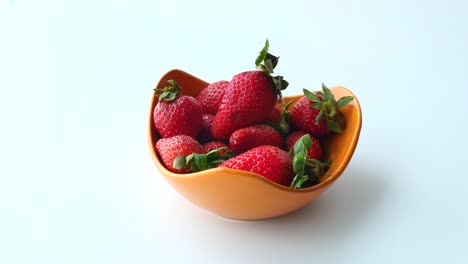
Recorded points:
(240,173)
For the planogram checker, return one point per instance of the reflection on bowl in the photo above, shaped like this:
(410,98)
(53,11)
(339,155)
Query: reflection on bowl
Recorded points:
(244,195)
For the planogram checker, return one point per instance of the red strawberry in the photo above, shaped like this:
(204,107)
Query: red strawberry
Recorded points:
(249,98)
(318,113)
(307,171)
(271,162)
(214,145)
(254,136)
(215,154)
(315,151)
(171,148)
(176,114)
(205,134)
(275,116)
(282,122)
(210,97)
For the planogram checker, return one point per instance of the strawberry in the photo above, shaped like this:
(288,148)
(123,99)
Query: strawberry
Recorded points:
(282,122)
(210,97)
(318,113)
(308,171)
(198,162)
(271,162)
(170,148)
(205,134)
(176,114)
(249,98)
(254,136)
(315,151)
(275,116)
(214,145)
(292,169)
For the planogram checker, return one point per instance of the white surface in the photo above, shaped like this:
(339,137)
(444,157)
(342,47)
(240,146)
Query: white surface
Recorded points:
(77,184)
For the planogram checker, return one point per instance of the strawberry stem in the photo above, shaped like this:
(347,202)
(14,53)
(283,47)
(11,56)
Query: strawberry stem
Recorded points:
(325,102)
(200,162)
(283,126)
(169,93)
(266,63)
(308,171)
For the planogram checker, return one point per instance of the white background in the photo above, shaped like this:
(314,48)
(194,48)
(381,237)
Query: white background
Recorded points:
(77,184)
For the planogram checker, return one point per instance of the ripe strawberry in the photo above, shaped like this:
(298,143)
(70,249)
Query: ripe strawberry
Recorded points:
(205,134)
(207,147)
(210,159)
(275,116)
(308,171)
(271,162)
(171,148)
(318,113)
(176,114)
(315,151)
(254,136)
(282,122)
(249,98)
(210,97)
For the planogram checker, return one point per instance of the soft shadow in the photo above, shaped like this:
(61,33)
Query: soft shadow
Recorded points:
(341,210)
(317,232)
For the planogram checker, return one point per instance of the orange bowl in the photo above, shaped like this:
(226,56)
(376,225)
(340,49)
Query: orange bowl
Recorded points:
(248,196)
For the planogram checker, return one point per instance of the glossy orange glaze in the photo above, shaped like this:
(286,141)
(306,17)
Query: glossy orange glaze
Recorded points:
(245,195)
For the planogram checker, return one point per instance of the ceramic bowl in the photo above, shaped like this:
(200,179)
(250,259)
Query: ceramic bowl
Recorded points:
(244,195)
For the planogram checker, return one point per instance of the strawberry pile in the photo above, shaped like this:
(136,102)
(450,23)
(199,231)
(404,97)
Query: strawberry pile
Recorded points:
(237,124)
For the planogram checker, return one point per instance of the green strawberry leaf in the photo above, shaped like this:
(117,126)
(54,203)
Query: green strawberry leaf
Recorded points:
(299,178)
(200,162)
(163,95)
(311,96)
(299,162)
(266,63)
(306,170)
(302,146)
(284,83)
(211,155)
(173,84)
(288,104)
(170,97)
(272,59)
(300,181)
(180,162)
(280,83)
(307,141)
(263,54)
(343,101)
(328,93)
(316,168)
(329,109)
(283,126)
(339,123)
(169,93)
(319,116)
(317,105)
(333,126)
(268,66)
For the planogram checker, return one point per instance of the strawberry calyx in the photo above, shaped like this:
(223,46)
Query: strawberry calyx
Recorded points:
(325,102)
(169,93)
(308,171)
(283,126)
(266,62)
(200,162)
